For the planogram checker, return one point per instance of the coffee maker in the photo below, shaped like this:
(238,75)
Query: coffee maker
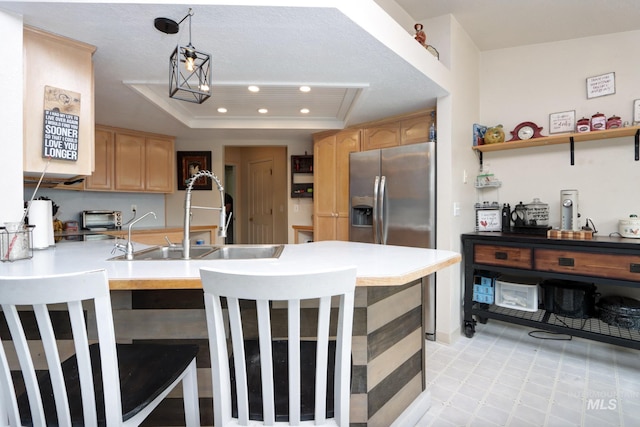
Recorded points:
(569,208)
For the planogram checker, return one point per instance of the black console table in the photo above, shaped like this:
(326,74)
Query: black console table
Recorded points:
(607,262)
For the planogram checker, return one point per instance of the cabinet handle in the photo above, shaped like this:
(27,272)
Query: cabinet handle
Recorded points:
(566,262)
(501,255)
(634,268)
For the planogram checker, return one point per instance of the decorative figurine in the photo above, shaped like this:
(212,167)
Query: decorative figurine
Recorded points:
(494,135)
(420,36)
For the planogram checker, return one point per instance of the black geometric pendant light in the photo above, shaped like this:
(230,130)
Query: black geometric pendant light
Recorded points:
(189,68)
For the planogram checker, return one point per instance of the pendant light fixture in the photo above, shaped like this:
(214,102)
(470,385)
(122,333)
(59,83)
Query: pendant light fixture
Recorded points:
(189,68)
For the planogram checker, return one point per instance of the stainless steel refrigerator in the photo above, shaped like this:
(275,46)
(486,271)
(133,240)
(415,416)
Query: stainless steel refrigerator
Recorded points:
(392,194)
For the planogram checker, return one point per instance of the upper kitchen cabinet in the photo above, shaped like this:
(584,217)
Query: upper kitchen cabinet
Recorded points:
(331,177)
(102,176)
(66,65)
(400,130)
(132,161)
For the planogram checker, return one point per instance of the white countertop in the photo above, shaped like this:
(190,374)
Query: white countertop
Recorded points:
(377,265)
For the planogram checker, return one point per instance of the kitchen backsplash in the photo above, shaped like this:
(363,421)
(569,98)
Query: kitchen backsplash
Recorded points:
(71,203)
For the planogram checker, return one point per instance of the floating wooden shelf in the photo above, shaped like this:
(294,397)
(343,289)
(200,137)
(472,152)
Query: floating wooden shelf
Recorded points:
(564,138)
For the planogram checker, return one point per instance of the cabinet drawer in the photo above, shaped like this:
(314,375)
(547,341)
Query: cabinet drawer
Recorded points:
(612,266)
(506,256)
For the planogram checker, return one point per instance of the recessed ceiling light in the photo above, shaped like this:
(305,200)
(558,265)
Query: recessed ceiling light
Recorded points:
(305,111)
(263,110)
(253,88)
(222,110)
(305,89)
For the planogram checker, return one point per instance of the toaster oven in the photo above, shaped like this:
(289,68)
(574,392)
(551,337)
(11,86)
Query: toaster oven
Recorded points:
(101,220)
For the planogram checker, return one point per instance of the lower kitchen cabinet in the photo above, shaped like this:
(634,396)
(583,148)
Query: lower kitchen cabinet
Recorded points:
(611,264)
(132,161)
(160,236)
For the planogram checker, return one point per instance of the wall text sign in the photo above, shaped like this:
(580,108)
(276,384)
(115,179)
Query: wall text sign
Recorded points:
(61,124)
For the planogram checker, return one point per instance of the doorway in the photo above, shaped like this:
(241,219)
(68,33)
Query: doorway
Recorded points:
(256,178)
(229,197)
(260,197)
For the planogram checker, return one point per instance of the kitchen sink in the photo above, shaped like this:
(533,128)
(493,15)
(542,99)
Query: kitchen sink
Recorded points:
(167,253)
(245,252)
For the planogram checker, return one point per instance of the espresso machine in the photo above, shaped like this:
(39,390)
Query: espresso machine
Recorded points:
(569,208)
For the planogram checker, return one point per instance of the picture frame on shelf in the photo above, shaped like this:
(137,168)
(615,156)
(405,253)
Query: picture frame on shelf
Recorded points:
(191,162)
(636,112)
(478,134)
(562,122)
(604,84)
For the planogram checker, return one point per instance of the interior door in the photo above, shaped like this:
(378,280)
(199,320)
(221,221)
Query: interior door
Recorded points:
(260,198)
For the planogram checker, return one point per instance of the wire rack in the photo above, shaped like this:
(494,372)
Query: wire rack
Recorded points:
(592,325)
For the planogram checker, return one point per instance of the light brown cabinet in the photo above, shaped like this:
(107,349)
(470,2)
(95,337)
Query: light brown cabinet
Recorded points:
(132,161)
(401,130)
(331,192)
(160,236)
(61,63)
(381,136)
(102,176)
(415,129)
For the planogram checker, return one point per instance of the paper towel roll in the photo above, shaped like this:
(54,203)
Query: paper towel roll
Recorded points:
(40,216)
(52,241)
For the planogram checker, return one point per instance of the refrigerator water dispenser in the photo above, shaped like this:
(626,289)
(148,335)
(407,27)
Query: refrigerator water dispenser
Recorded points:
(362,211)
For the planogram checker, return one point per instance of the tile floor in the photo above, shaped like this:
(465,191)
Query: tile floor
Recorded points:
(504,377)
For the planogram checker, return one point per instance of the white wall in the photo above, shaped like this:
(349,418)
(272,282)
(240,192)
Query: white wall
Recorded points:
(454,157)
(12,205)
(530,82)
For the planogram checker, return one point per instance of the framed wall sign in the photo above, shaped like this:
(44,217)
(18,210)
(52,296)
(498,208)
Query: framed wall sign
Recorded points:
(61,124)
(488,220)
(190,163)
(564,121)
(604,84)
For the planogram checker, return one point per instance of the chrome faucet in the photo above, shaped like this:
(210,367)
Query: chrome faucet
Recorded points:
(224,222)
(128,247)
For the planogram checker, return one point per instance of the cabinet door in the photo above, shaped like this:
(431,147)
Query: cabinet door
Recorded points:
(102,176)
(331,193)
(415,130)
(52,60)
(129,162)
(324,154)
(382,136)
(159,165)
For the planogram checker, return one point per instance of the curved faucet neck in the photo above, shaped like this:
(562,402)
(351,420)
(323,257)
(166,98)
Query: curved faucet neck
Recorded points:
(187,209)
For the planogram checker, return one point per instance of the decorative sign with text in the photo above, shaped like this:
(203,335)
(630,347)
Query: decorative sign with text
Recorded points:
(601,85)
(61,124)
(564,121)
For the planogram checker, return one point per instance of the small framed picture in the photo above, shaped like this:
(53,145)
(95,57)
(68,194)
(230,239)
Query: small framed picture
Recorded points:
(562,122)
(488,220)
(604,84)
(478,134)
(190,163)
(636,112)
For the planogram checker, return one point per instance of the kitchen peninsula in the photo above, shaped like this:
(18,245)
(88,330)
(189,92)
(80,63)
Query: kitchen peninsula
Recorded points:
(160,300)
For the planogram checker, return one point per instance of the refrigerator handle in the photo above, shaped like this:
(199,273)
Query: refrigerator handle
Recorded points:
(381,218)
(376,184)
